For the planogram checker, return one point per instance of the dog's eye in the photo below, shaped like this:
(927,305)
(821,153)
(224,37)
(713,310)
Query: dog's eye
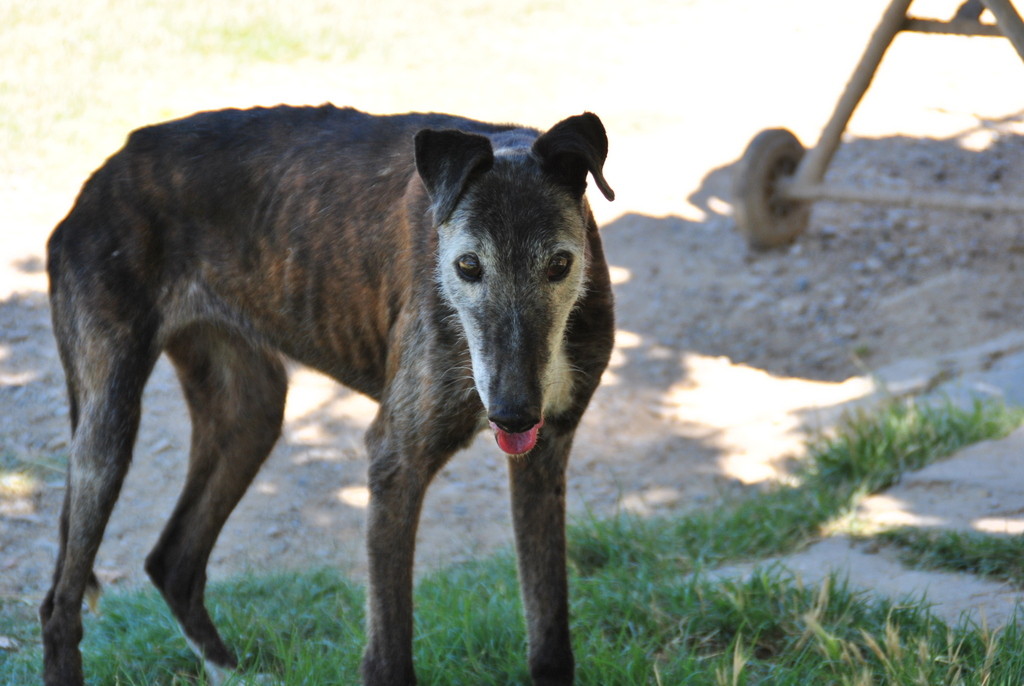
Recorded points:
(469,267)
(558,267)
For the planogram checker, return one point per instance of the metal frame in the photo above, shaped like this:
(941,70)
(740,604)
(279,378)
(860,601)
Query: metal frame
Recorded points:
(781,192)
(807,183)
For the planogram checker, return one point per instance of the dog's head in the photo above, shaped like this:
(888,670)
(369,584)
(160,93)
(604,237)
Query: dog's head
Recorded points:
(512,258)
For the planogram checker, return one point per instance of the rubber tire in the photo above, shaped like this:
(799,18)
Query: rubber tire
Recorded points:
(766,220)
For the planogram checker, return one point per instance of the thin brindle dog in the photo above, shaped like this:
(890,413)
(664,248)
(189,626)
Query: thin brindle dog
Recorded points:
(450,269)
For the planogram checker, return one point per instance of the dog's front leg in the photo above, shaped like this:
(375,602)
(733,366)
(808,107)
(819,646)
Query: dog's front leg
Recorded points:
(538,513)
(397,485)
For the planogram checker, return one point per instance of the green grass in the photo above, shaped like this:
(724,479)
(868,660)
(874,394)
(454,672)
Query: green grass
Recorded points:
(643,609)
(996,557)
(78,79)
(631,629)
(41,466)
(871,451)
(268,39)
(868,453)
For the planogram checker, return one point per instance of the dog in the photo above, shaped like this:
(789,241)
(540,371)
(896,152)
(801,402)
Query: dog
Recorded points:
(448,268)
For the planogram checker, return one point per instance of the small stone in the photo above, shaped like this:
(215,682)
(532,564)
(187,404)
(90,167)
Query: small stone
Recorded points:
(846,330)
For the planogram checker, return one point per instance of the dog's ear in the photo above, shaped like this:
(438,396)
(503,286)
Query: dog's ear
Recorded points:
(445,161)
(573,147)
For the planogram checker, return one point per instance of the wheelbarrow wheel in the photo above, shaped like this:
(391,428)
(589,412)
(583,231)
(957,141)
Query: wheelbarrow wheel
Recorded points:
(766,219)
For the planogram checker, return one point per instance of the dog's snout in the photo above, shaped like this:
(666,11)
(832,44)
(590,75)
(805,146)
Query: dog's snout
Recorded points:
(512,421)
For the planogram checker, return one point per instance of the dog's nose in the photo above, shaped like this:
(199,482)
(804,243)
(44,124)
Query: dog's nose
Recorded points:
(514,422)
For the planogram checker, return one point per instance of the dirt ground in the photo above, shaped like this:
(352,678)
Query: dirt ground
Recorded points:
(725,358)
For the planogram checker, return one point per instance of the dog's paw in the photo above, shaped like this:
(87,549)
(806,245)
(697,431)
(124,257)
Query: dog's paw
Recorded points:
(219,676)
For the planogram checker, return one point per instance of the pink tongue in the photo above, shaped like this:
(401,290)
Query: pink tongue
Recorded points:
(516,444)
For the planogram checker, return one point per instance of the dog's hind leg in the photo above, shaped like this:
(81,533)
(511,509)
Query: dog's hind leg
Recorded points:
(236,392)
(537,482)
(106,345)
